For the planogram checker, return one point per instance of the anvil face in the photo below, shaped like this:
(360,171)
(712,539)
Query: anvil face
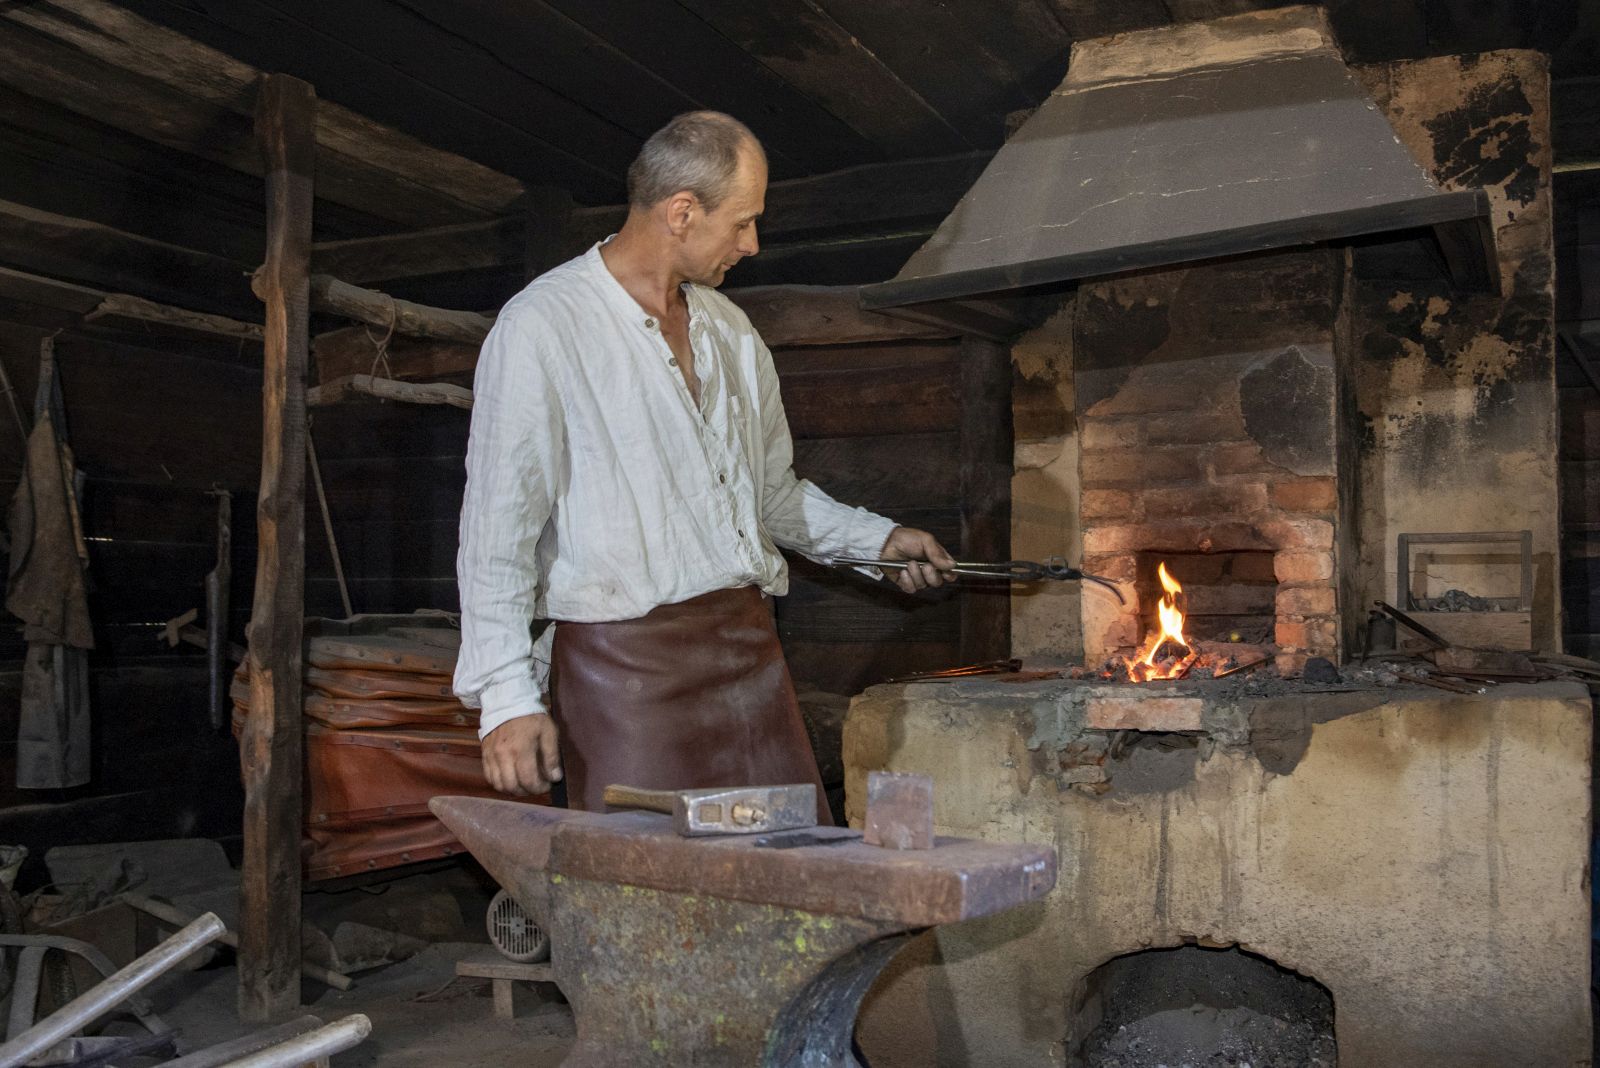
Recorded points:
(720,951)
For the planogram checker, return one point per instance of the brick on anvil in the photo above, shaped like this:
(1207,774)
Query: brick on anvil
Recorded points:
(899,810)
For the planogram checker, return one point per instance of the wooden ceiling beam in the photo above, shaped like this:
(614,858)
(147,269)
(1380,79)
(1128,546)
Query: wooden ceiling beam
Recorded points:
(88,253)
(785,316)
(102,61)
(858,201)
(804,46)
(55,304)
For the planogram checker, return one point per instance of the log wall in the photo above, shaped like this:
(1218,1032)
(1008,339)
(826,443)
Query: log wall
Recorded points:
(875,424)
(154,431)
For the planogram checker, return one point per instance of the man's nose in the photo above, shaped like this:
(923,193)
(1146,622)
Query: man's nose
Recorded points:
(751,244)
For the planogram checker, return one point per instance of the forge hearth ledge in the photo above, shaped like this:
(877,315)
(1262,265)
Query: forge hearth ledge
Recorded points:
(1423,855)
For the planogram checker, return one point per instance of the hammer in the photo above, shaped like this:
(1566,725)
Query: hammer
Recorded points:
(725,809)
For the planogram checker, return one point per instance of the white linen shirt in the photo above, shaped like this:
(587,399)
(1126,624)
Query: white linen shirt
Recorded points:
(596,490)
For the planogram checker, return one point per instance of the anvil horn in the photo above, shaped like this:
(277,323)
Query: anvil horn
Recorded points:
(510,839)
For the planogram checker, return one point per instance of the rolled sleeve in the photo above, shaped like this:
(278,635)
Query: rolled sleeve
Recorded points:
(516,441)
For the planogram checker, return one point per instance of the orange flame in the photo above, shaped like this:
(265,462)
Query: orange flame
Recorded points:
(1142,666)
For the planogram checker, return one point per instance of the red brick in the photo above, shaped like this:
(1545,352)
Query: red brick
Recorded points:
(1138,467)
(1118,567)
(1113,538)
(1289,635)
(1240,460)
(1172,395)
(1203,499)
(1313,601)
(1298,533)
(1143,712)
(1303,566)
(1110,504)
(1119,633)
(1305,495)
(1291,664)
(1315,635)
(1111,434)
(1196,428)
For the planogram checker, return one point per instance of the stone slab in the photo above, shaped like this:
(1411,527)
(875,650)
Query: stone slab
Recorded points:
(1142,712)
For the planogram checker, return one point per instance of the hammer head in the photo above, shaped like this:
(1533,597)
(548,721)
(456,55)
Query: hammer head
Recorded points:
(744,809)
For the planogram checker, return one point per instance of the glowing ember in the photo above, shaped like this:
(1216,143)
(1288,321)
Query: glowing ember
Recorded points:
(1143,666)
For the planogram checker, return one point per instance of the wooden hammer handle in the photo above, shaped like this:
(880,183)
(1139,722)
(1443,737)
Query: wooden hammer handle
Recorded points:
(634,797)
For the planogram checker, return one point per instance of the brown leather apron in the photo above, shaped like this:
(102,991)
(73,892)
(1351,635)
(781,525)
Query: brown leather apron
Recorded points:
(690,695)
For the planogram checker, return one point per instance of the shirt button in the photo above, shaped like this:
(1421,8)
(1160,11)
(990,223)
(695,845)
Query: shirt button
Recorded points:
(650,323)
(672,361)
(741,533)
(721,477)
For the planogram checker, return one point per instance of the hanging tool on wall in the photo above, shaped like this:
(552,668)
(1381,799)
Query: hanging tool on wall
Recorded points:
(1054,569)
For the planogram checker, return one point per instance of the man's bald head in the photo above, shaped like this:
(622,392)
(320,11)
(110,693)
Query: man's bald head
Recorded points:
(698,151)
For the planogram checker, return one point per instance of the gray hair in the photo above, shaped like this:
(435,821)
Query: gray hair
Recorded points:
(697,151)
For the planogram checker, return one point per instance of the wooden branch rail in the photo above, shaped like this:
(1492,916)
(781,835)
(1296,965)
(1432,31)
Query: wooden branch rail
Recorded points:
(96,304)
(447,344)
(124,306)
(328,294)
(357,387)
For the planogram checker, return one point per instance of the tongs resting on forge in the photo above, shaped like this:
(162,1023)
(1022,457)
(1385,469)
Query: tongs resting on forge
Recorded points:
(1055,568)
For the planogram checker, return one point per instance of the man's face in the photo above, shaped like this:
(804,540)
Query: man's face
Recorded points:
(716,240)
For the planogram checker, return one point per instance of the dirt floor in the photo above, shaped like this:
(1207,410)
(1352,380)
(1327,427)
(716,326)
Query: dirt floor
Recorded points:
(422,1015)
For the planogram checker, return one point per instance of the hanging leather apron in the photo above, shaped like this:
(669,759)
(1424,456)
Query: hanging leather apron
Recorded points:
(690,695)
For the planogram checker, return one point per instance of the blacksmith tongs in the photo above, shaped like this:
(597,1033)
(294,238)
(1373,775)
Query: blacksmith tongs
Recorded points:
(1055,568)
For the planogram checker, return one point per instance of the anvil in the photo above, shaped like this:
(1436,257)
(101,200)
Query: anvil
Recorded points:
(740,952)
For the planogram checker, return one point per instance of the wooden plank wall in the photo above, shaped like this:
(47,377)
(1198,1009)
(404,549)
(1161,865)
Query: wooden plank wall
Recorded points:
(394,475)
(875,425)
(1577,233)
(154,431)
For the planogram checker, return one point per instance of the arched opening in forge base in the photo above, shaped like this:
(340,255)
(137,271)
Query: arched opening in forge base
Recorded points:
(1201,1007)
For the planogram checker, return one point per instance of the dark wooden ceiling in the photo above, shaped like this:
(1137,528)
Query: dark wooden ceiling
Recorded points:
(562,92)
(101,122)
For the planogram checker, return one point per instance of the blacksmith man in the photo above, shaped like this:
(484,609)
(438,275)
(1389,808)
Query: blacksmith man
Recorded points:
(629,475)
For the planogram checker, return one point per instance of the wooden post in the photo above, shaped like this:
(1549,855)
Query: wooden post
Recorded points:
(269,892)
(986,466)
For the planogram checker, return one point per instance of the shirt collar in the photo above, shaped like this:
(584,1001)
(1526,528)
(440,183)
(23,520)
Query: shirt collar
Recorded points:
(622,301)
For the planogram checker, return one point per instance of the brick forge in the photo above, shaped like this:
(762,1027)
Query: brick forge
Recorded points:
(1209,405)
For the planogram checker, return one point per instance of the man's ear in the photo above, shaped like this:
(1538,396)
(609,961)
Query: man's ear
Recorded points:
(681,209)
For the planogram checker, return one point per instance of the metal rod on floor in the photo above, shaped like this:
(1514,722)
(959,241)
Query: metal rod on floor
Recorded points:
(323,1042)
(171,914)
(117,988)
(327,524)
(224,1053)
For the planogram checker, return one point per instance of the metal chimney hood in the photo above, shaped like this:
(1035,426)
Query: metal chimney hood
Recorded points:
(1183,143)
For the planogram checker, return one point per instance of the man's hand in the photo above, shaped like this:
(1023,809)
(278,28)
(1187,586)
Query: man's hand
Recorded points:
(908,543)
(520,756)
